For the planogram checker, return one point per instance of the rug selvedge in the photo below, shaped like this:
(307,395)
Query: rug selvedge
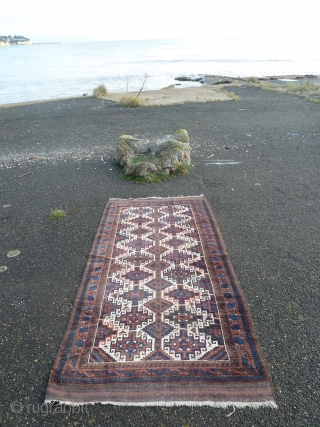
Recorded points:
(160,304)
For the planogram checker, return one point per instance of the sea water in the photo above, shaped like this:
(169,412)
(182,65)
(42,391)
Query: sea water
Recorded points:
(47,71)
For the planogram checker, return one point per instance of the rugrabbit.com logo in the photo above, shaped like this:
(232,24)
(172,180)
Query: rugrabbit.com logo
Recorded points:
(46,409)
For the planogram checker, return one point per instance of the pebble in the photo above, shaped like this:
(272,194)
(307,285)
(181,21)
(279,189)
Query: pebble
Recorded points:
(13,253)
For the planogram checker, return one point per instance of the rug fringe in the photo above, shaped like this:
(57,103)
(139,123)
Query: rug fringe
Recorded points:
(254,405)
(152,197)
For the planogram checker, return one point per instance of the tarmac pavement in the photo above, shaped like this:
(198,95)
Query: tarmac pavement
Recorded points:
(58,155)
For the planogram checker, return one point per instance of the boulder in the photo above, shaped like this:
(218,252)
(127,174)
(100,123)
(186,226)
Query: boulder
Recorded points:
(213,79)
(181,135)
(188,79)
(141,157)
(217,80)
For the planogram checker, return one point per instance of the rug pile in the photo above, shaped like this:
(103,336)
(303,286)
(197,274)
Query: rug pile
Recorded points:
(160,318)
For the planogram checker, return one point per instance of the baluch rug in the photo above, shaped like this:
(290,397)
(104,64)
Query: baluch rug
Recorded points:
(160,318)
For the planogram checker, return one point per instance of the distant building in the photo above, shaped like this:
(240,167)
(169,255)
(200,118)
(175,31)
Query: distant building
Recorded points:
(15,40)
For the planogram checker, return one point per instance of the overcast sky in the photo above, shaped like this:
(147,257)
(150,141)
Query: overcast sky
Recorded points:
(100,20)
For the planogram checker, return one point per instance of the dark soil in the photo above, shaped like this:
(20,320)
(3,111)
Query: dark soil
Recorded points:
(58,155)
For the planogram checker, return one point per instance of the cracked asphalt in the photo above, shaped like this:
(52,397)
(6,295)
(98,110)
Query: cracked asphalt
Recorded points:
(58,155)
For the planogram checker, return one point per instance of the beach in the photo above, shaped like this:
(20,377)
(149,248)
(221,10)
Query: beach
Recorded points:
(59,155)
(50,71)
(207,88)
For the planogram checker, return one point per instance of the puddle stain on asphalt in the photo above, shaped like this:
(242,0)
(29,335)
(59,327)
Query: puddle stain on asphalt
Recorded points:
(222,162)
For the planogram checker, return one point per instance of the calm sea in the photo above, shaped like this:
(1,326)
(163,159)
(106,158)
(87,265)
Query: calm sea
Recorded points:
(47,71)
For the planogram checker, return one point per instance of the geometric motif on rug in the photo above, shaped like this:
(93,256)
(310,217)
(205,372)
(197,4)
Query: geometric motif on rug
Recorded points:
(153,318)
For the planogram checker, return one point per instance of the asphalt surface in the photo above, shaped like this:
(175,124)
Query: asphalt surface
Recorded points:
(58,155)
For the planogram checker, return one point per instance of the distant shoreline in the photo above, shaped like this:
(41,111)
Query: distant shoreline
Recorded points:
(207,86)
(218,79)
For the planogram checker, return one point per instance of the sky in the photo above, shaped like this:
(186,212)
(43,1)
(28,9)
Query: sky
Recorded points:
(102,20)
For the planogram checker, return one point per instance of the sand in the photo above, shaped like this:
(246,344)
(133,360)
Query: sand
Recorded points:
(173,95)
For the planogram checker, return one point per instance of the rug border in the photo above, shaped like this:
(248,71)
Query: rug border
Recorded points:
(53,390)
(240,292)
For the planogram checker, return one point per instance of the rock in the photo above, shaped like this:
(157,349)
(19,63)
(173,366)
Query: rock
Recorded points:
(183,79)
(217,80)
(140,157)
(181,135)
(140,169)
(224,82)
(188,79)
